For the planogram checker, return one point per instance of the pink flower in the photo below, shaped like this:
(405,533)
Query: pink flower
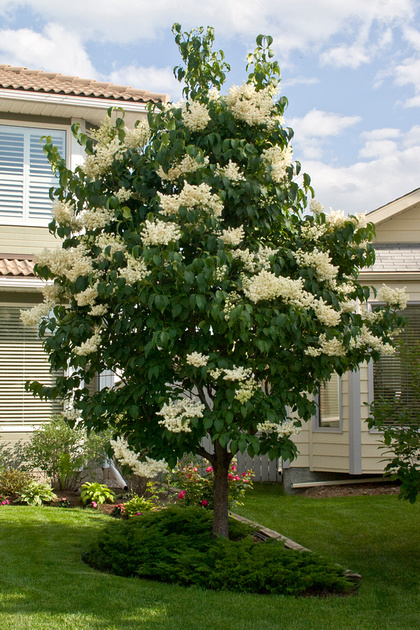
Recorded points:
(230,476)
(94,504)
(209,469)
(195,469)
(204,503)
(237,478)
(181,494)
(233,467)
(138,513)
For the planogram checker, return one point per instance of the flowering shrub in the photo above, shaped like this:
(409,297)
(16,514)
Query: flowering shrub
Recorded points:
(196,484)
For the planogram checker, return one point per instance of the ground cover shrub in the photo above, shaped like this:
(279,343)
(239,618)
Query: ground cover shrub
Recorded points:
(176,545)
(13,481)
(36,493)
(196,483)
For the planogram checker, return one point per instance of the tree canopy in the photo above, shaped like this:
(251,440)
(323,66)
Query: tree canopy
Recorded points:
(192,267)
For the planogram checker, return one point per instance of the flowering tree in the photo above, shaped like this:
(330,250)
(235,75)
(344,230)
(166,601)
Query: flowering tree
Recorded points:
(188,268)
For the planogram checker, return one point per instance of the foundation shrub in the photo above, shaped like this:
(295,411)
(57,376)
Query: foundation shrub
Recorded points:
(13,481)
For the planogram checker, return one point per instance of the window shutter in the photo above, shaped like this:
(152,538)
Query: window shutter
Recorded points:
(41,177)
(391,377)
(25,174)
(22,358)
(12,154)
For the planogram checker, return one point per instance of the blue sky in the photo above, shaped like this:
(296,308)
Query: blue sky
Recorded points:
(351,72)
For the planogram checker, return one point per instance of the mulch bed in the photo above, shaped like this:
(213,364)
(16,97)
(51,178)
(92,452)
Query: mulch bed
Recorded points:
(355,489)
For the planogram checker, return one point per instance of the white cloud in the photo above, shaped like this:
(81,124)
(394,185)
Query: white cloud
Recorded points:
(299,25)
(379,142)
(56,48)
(151,78)
(367,185)
(286,83)
(346,56)
(316,127)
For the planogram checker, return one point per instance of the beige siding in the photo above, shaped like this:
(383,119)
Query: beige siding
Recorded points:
(401,228)
(20,239)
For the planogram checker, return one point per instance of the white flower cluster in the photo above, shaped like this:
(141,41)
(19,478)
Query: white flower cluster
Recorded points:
(237,373)
(249,105)
(149,468)
(187,165)
(331,347)
(197,359)
(64,213)
(255,261)
(87,297)
(220,273)
(396,298)
(230,302)
(349,306)
(192,197)
(177,413)
(32,316)
(135,271)
(98,310)
(231,171)
(138,137)
(52,292)
(233,236)
(123,194)
(109,245)
(320,261)
(367,338)
(267,286)
(96,218)
(246,391)
(326,314)
(89,346)
(278,159)
(71,263)
(195,116)
(283,429)
(160,232)
(101,161)
(71,414)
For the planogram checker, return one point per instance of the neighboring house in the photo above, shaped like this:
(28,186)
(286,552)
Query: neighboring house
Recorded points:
(337,443)
(34,104)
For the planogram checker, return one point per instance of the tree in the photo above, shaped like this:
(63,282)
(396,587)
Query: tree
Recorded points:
(397,417)
(188,267)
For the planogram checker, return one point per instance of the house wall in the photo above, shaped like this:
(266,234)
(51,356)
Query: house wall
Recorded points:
(403,227)
(25,239)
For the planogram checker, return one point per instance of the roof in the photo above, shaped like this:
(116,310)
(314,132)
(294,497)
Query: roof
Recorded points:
(396,257)
(20,78)
(16,265)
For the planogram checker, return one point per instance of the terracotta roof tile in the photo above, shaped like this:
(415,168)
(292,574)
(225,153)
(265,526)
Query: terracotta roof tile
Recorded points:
(16,266)
(18,78)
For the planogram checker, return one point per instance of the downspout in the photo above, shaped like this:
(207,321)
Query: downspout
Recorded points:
(108,463)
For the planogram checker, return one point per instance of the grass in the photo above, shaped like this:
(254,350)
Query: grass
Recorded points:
(44,585)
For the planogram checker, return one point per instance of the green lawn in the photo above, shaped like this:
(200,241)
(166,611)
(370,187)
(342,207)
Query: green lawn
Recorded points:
(44,584)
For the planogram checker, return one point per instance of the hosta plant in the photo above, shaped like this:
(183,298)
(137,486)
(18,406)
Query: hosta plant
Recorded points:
(36,493)
(94,492)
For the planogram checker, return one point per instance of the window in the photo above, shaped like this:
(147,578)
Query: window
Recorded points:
(329,404)
(391,374)
(25,175)
(22,358)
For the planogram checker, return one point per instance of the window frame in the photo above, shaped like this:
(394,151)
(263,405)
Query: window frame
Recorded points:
(316,421)
(25,220)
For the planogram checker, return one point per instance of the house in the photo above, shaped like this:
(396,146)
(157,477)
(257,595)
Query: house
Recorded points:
(34,104)
(338,444)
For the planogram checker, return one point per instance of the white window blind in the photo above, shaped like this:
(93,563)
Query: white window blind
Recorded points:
(22,358)
(391,377)
(25,174)
(329,403)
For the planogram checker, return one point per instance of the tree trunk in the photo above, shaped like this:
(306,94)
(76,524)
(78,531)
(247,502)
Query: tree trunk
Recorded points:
(220,493)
